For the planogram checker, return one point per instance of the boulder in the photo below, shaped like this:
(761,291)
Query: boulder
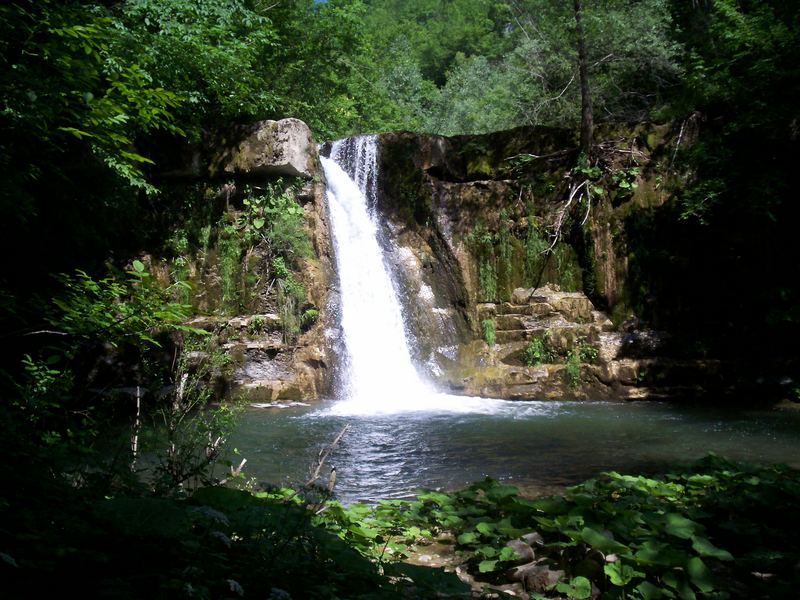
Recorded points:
(284,147)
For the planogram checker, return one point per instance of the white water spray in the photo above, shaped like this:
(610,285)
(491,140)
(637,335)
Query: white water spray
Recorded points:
(380,376)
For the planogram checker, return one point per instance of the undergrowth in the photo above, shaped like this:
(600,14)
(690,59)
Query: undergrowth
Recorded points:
(718,530)
(715,530)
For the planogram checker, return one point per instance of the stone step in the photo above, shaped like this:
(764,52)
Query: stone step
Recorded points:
(514,335)
(561,338)
(539,309)
(600,319)
(509,322)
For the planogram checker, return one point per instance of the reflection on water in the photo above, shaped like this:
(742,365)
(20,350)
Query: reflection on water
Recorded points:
(539,446)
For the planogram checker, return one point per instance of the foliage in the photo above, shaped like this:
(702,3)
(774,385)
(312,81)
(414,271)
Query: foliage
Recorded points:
(308,318)
(275,218)
(230,251)
(210,53)
(218,543)
(115,310)
(256,325)
(495,65)
(505,255)
(121,313)
(697,533)
(573,368)
(482,242)
(194,434)
(489,334)
(460,107)
(535,248)
(538,351)
(581,353)
(63,82)
(291,297)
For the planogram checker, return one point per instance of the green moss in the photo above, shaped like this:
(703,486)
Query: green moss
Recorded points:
(480,168)
(229,253)
(489,334)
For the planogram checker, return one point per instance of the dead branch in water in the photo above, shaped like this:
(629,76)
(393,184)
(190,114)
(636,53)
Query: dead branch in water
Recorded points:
(323,456)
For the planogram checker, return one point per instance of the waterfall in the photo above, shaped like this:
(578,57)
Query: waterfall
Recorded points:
(379,372)
(380,377)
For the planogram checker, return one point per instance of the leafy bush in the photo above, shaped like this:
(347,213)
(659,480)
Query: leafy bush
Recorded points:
(275,217)
(583,352)
(538,351)
(256,325)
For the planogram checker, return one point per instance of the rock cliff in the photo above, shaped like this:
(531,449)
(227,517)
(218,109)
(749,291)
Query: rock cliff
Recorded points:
(503,304)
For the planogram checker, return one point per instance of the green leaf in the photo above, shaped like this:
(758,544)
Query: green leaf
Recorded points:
(649,591)
(680,526)
(621,574)
(365,532)
(656,553)
(487,566)
(705,548)
(601,542)
(676,581)
(138,266)
(700,575)
(258,223)
(579,588)
(485,528)
(467,538)
(508,553)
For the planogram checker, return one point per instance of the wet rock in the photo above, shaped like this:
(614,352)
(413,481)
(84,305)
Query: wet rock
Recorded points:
(523,550)
(536,577)
(534,538)
(643,343)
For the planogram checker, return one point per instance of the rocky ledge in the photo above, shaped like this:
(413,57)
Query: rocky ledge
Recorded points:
(550,344)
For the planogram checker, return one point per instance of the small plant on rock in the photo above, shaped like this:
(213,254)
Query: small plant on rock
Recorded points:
(573,367)
(539,352)
(257,325)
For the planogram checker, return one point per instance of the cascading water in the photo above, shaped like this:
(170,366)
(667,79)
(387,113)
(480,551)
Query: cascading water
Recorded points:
(380,377)
(379,371)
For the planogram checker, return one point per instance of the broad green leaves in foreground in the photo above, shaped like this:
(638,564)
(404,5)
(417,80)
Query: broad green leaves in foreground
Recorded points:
(696,534)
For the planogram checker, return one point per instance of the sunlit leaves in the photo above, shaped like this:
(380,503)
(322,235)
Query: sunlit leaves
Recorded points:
(66,82)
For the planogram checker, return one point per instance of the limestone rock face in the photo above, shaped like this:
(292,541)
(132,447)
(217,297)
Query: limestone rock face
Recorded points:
(284,147)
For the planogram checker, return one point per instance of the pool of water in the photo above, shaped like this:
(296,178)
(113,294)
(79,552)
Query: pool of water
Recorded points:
(539,446)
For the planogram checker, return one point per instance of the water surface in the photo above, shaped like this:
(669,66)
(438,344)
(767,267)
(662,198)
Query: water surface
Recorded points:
(538,446)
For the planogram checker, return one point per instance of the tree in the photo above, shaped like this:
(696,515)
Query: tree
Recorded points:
(622,55)
(587,118)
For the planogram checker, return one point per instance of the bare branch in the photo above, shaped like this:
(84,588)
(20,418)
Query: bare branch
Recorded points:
(562,215)
(588,203)
(677,145)
(45,331)
(537,156)
(604,59)
(324,454)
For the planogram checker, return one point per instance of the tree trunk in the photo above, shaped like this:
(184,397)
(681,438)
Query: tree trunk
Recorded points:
(587,119)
